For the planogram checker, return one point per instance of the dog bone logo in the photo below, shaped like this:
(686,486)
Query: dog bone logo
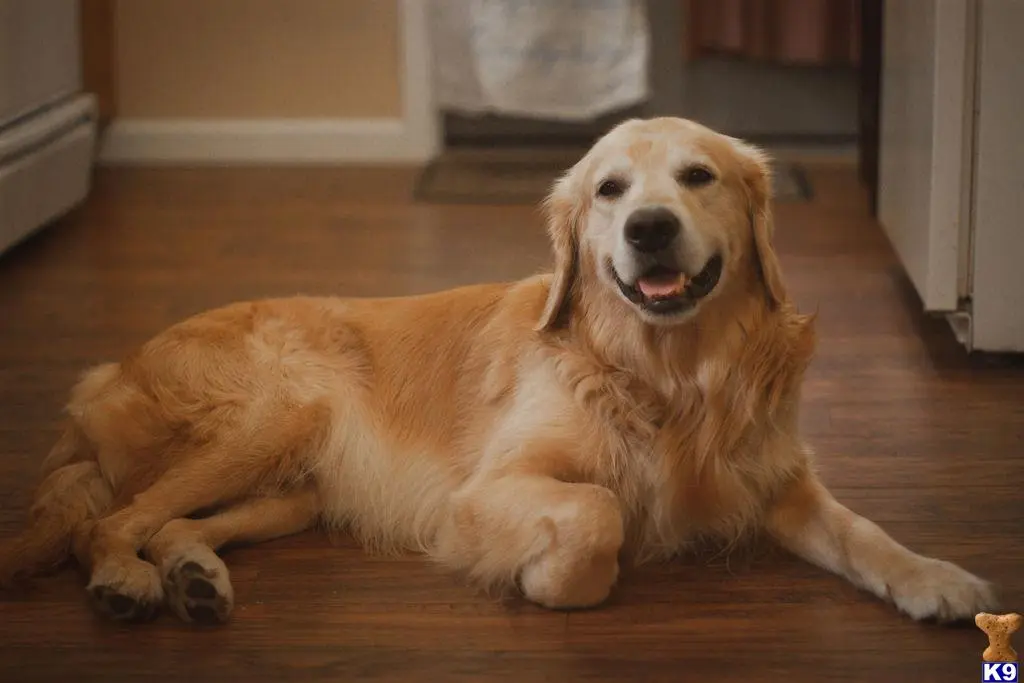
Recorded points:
(998,628)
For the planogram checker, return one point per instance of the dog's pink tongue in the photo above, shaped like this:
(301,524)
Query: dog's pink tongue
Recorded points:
(662,286)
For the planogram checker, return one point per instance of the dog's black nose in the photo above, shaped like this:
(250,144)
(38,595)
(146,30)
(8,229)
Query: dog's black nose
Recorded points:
(651,229)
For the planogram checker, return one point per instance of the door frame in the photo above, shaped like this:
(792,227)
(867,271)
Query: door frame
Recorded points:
(97,25)
(421,124)
(869,98)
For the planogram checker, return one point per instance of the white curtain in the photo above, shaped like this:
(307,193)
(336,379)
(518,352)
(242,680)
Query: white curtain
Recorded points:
(553,59)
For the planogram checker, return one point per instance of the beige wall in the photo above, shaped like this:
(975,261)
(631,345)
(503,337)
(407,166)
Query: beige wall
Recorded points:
(258,58)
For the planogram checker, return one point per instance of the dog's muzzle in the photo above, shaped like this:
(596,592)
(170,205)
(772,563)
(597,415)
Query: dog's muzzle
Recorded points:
(664,286)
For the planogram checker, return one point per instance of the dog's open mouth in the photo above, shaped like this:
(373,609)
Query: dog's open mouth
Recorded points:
(666,290)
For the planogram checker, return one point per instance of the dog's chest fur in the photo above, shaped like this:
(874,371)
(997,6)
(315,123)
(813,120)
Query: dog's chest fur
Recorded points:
(699,457)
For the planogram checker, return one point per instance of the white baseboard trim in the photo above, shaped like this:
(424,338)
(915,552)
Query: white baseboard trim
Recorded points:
(262,141)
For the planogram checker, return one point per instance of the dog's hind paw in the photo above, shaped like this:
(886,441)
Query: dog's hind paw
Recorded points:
(198,588)
(126,590)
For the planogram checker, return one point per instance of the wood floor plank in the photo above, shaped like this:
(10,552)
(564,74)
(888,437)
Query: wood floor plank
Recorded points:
(909,430)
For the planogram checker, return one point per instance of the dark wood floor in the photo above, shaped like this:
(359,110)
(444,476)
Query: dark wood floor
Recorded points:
(923,439)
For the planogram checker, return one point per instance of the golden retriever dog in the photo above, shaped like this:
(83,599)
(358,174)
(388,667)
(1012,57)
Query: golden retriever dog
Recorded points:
(529,435)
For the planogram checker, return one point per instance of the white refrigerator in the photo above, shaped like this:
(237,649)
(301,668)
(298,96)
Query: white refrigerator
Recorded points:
(951,185)
(47,124)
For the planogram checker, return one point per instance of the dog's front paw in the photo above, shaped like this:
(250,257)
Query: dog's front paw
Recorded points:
(935,589)
(581,564)
(558,582)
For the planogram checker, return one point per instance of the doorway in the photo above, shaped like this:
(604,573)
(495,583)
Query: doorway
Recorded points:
(824,107)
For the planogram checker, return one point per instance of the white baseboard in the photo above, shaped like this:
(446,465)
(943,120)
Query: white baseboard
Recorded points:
(262,141)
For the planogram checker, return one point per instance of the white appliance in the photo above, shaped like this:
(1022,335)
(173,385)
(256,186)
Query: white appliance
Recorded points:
(47,125)
(951,173)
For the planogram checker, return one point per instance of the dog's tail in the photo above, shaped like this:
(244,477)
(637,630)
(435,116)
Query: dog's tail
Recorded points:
(67,498)
(72,492)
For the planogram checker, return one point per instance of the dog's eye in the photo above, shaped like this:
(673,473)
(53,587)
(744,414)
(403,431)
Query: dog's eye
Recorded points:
(610,189)
(696,176)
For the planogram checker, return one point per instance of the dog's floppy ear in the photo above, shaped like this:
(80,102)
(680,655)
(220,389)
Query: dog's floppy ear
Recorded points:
(758,179)
(562,209)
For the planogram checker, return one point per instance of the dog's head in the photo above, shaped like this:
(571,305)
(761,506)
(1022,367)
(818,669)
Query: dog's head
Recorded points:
(667,215)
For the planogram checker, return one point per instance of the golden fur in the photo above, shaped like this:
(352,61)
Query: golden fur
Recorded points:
(528,434)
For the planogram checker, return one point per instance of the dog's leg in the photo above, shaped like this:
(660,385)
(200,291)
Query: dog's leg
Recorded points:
(227,469)
(560,541)
(809,522)
(124,587)
(195,579)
